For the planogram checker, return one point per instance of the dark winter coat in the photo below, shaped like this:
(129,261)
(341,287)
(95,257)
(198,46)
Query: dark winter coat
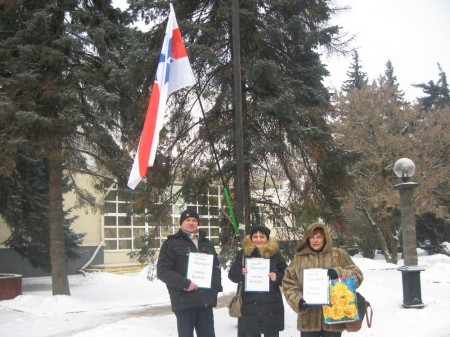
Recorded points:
(311,318)
(262,312)
(172,269)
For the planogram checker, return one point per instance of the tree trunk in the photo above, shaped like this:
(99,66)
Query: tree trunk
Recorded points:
(379,236)
(60,282)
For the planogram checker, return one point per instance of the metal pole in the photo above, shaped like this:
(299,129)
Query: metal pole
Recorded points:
(237,95)
(240,192)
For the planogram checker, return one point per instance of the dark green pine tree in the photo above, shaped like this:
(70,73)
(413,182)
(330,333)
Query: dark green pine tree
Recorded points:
(66,94)
(284,101)
(24,206)
(437,94)
(356,77)
(392,80)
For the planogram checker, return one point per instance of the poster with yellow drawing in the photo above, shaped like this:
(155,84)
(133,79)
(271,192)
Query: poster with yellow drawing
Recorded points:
(343,306)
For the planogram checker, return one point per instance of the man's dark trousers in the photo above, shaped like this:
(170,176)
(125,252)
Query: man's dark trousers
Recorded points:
(202,319)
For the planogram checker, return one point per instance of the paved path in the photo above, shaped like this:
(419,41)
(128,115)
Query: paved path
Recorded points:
(222,302)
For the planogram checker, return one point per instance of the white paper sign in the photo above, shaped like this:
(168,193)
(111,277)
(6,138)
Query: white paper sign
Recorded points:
(257,277)
(316,286)
(200,269)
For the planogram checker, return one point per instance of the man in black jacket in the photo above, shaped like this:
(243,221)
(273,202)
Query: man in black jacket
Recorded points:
(192,305)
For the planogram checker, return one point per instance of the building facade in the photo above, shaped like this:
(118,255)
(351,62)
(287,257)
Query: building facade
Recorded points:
(112,229)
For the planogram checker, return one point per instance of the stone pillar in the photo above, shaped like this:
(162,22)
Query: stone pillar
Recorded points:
(412,296)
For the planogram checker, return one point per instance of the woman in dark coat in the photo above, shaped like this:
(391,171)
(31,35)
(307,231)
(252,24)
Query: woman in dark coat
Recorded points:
(262,312)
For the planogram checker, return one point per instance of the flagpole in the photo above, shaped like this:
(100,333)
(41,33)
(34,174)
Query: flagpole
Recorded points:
(240,193)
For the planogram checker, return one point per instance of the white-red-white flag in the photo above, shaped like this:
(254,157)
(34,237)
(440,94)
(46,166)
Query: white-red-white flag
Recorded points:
(174,72)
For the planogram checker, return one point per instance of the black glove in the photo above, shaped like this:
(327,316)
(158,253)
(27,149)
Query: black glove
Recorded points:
(302,304)
(332,274)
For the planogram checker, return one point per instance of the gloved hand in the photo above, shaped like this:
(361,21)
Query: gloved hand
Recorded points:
(332,274)
(302,304)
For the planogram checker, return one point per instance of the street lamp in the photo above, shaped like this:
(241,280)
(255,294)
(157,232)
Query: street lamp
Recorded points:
(404,168)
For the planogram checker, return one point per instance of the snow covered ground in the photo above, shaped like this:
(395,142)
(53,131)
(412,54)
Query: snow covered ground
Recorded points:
(103,304)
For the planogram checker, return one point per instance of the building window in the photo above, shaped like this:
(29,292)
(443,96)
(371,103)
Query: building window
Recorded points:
(279,217)
(208,205)
(121,227)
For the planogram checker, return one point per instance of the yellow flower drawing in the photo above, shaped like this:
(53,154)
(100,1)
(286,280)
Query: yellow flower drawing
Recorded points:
(343,306)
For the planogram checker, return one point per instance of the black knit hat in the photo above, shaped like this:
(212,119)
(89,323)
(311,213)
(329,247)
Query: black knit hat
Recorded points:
(188,214)
(262,229)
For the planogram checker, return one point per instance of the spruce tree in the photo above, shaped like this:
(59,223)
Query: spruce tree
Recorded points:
(24,206)
(65,96)
(356,77)
(392,81)
(285,104)
(437,94)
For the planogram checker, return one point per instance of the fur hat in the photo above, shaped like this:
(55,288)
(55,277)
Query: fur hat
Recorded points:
(262,229)
(189,214)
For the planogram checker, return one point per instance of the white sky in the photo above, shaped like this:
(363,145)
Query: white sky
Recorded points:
(413,34)
(109,305)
